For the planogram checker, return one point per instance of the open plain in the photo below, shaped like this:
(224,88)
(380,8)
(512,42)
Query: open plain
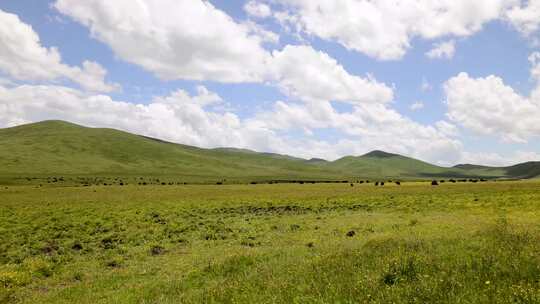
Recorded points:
(278,243)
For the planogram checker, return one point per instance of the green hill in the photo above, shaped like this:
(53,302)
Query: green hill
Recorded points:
(54,148)
(57,147)
(525,170)
(382,164)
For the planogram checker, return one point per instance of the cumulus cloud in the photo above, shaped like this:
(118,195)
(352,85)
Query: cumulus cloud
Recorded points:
(24,58)
(447,128)
(174,39)
(263,34)
(526,18)
(534,59)
(418,105)
(257,9)
(443,50)
(384,29)
(310,75)
(488,106)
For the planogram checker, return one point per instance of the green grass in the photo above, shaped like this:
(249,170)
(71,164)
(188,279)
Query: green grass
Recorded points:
(62,149)
(286,243)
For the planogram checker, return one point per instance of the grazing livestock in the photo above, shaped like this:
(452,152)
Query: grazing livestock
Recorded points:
(382,183)
(434,183)
(376,184)
(398,183)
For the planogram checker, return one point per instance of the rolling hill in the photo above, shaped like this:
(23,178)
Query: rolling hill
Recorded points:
(62,148)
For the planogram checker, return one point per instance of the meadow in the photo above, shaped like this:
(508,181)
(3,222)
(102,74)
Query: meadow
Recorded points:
(278,243)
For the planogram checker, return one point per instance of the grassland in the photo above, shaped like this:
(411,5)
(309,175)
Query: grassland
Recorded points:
(286,243)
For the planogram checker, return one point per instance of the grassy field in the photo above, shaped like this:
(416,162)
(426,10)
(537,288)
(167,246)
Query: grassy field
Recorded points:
(286,243)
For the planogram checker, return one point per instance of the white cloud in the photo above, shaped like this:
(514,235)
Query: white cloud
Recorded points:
(534,59)
(487,106)
(384,29)
(257,9)
(263,34)
(174,39)
(24,58)
(443,50)
(447,128)
(418,105)
(526,19)
(320,77)
(178,117)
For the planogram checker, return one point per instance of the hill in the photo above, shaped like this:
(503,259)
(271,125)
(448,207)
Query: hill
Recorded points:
(58,147)
(62,148)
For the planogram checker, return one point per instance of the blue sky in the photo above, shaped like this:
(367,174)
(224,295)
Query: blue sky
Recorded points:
(487,115)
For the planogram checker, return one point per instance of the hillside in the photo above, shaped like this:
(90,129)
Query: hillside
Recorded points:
(57,147)
(63,148)
(382,164)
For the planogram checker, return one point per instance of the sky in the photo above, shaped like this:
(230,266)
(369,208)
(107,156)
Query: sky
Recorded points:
(446,81)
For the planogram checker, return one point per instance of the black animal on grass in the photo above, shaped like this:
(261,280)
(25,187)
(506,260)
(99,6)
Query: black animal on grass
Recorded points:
(382,183)
(376,184)
(398,183)
(434,183)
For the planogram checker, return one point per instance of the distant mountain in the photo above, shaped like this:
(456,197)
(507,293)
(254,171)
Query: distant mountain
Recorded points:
(63,148)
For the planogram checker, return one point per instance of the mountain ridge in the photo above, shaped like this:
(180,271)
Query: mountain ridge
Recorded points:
(60,147)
